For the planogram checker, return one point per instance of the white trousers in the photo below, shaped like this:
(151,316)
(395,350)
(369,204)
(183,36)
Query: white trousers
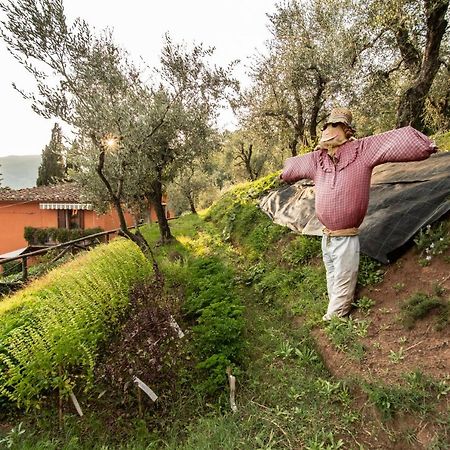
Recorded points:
(341,258)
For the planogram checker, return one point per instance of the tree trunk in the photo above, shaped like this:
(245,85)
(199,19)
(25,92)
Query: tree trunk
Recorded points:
(191,203)
(317,103)
(293,145)
(412,102)
(140,241)
(155,198)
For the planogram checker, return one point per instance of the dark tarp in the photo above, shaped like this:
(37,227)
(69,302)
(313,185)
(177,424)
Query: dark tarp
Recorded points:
(404,197)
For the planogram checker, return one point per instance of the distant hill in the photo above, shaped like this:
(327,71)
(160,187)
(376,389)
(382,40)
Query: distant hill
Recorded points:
(19,171)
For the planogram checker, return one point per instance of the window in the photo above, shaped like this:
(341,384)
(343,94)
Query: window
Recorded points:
(71,218)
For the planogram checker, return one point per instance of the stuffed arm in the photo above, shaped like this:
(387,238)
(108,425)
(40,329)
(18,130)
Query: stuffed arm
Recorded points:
(299,167)
(400,145)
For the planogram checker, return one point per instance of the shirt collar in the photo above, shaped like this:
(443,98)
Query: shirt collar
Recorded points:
(345,155)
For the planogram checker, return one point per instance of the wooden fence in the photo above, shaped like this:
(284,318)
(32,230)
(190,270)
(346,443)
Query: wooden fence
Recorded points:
(82,243)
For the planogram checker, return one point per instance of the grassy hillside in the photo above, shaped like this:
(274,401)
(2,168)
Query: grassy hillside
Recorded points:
(19,171)
(249,295)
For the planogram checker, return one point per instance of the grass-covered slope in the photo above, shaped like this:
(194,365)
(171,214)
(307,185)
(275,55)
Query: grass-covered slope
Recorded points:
(50,331)
(249,296)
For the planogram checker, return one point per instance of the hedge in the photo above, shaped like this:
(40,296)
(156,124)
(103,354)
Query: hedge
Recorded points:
(42,236)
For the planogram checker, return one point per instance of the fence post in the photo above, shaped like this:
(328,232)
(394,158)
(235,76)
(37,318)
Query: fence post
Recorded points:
(24,269)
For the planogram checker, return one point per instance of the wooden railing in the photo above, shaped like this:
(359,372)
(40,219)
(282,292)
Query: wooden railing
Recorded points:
(65,247)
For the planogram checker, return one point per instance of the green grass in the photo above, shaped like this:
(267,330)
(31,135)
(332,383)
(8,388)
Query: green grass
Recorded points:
(443,141)
(234,261)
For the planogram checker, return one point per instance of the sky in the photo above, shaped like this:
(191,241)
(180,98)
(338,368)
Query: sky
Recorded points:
(236,28)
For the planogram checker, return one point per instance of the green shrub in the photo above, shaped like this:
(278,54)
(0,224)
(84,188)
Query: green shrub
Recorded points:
(41,236)
(212,302)
(50,332)
(12,268)
(413,397)
(420,305)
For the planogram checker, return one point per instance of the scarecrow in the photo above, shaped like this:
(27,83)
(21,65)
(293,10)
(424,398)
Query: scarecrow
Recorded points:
(341,167)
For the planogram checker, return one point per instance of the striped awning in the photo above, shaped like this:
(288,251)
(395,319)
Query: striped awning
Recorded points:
(65,206)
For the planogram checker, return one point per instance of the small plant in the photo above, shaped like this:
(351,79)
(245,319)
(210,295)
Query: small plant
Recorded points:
(398,287)
(432,241)
(370,271)
(13,436)
(365,304)
(328,388)
(344,334)
(285,351)
(396,357)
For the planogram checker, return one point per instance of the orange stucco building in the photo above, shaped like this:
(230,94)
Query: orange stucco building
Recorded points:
(57,206)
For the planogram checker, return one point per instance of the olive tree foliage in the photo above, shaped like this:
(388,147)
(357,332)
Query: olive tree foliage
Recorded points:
(195,185)
(135,126)
(401,52)
(246,154)
(296,79)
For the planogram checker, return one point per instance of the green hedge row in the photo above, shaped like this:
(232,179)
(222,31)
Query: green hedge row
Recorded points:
(50,332)
(213,303)
(42,236)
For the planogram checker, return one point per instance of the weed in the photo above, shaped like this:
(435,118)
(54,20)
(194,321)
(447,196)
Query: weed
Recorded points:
(365,304)
(438,290)
(396,357)
(285,351)
(420,305)
(398,287)
(390,400)
(13,437)
(302,249)
(344,334)
(324,441)
(370,271)
(432,241)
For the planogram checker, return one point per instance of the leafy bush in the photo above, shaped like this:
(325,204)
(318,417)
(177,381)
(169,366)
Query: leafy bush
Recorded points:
(50,332)
(11,268)
(211,300)
(43,236)
(413,397)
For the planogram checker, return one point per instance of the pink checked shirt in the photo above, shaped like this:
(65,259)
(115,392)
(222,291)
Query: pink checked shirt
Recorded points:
(342,187)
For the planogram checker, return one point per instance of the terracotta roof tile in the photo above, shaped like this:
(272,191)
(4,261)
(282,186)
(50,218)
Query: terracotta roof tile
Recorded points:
(63,192)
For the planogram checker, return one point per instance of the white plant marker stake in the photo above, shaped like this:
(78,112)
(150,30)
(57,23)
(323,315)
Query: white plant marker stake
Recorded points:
(176,327)
(232,382)
(76,404)
(145,388)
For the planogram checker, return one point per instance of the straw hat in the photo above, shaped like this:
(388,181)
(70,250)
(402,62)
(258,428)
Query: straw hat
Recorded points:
(340,115)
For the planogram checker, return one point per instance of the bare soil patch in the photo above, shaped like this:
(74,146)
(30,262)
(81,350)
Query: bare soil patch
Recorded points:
(392,349)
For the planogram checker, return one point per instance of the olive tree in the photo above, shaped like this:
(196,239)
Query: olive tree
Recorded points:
(133,126)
